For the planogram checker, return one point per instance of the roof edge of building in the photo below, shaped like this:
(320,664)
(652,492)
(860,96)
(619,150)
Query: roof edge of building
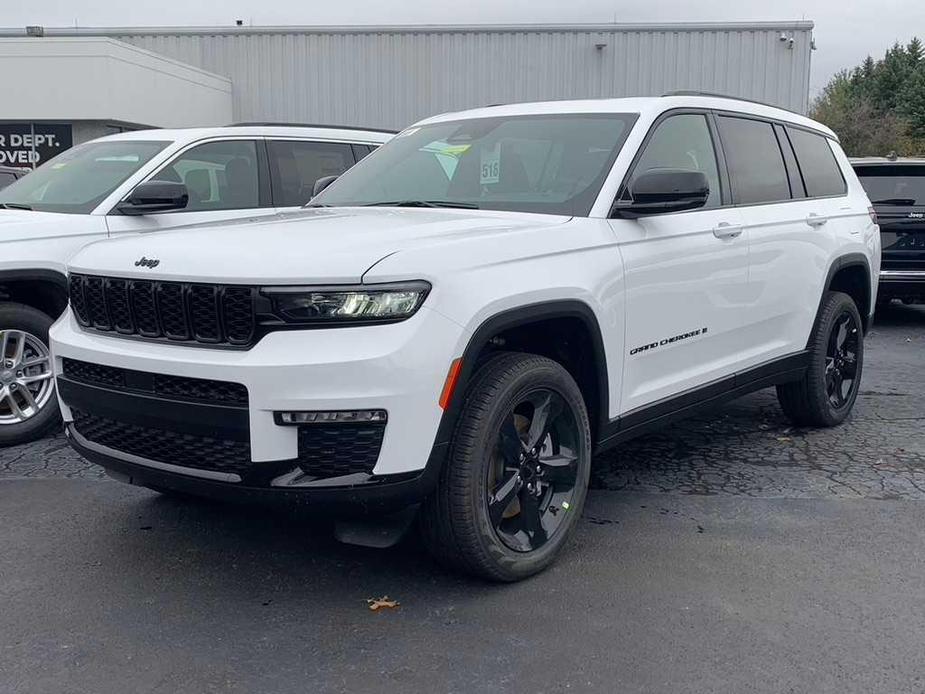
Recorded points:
(414,28)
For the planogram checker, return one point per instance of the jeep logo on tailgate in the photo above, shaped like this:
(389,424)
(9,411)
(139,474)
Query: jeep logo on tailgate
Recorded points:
(917,215)
(147,262)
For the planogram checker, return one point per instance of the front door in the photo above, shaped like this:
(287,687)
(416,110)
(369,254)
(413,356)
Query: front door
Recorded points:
(686,276)
(226,179)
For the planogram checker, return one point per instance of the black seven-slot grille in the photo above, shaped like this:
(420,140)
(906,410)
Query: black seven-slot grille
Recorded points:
(163,385)
(177,311)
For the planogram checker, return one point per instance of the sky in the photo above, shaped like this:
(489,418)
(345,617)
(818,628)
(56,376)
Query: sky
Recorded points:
(845,32)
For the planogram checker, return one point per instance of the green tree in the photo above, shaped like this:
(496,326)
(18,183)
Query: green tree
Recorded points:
(913,103)
(879,106)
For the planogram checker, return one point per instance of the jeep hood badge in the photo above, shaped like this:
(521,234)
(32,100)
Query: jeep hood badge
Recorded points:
(147,262)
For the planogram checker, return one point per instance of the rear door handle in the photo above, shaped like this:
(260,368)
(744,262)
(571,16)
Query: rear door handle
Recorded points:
(724,230)
(815,220)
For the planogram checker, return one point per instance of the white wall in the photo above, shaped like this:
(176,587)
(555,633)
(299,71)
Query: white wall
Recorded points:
(391,76)
(100,79)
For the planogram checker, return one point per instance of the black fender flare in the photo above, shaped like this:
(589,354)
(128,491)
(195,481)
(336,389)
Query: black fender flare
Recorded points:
(35,274)
(505,320)
(840,263)
(50,293)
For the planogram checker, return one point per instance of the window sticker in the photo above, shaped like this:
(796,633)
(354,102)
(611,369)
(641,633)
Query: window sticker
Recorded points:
(491,165)
(447,155)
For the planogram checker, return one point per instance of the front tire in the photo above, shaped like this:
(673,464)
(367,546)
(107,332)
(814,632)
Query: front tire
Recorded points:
(512,489)
(827,392)
(28,406)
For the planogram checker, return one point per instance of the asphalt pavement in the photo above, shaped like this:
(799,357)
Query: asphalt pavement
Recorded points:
(728,553)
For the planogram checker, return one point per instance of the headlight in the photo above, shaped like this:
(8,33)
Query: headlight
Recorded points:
(375,303)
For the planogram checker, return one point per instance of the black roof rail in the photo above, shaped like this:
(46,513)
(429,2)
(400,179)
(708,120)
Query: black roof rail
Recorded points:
(716,95)
(269,124)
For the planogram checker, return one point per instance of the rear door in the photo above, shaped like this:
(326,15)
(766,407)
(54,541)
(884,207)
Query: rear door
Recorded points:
(226,179)
(791,231)
(295,165)
(897,192)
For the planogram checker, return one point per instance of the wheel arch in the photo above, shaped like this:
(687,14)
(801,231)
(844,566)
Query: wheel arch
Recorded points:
(851,274)
(40,288)
(592,379)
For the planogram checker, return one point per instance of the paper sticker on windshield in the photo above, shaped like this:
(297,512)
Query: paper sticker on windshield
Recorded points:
(491,165)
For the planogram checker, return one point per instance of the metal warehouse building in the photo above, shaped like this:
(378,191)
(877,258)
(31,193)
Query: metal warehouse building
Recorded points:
(388,77)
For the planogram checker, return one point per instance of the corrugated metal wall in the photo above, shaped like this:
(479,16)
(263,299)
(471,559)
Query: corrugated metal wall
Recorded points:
(390,77)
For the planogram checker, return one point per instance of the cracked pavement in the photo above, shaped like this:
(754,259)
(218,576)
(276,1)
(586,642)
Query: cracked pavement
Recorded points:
(746,448)
(727,553)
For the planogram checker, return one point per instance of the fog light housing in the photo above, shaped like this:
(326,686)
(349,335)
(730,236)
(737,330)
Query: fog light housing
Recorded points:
(330,417)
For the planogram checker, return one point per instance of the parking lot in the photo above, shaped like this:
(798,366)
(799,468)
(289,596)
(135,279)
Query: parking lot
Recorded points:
(730,552)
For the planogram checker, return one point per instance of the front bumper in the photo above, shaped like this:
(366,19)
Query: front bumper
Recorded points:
(398,368)
(383,494)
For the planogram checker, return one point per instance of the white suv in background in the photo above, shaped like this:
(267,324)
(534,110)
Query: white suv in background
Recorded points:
(464,318)
(135,182)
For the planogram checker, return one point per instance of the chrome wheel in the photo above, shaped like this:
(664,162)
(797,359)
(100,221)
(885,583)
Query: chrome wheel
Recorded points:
(534,470)
(26,383)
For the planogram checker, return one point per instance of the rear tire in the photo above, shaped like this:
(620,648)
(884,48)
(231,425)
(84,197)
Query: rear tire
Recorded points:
(827,392)
(19,322)
(512,489)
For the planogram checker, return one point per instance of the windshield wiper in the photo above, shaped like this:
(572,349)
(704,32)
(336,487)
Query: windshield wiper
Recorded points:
(15,206)
(424,203)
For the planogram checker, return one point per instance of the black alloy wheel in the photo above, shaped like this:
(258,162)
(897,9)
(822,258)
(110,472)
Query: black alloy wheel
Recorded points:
(841,362)
(534,470)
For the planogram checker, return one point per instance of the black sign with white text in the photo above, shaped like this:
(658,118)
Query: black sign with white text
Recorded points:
(31,144)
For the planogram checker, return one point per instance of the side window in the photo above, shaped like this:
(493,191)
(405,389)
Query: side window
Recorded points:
(360,151)
(793,171)
(756,165)
(296,165)
(820,170)
(6,179)
(218,175)
(683,142)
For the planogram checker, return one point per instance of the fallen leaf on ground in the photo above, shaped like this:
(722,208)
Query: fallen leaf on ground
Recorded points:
(783,439)
(380,603)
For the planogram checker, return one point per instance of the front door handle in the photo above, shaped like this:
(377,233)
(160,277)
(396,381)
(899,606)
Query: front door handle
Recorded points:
(815,220)
(724,230)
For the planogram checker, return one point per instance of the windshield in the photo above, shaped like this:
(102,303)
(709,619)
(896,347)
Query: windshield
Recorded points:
(78,180)
(894,185)
(553,164)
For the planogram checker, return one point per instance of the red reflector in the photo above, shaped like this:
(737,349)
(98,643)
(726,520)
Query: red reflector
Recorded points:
(450,384)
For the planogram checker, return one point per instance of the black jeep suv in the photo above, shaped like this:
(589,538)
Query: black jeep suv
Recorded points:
(896,188)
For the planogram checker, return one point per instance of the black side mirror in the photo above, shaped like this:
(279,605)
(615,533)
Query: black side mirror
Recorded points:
(664,191)
(322,183)
(155,196)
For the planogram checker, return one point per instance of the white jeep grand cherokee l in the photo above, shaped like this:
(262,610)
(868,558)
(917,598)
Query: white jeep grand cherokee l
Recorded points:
(465,317)
(131,183)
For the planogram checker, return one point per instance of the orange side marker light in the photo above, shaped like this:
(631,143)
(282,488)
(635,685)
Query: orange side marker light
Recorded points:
(452,377)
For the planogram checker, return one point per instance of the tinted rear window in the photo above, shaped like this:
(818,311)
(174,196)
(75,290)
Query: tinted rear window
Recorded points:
(756,165)
(821,174)
(903,186)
